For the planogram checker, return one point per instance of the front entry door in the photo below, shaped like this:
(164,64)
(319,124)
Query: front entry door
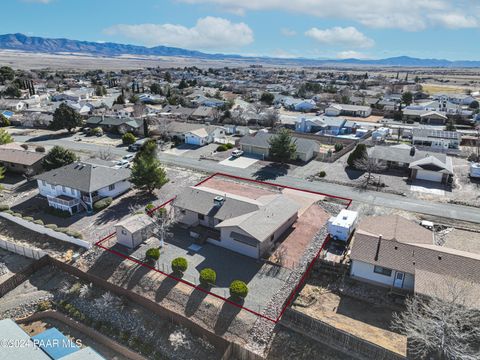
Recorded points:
(399,277)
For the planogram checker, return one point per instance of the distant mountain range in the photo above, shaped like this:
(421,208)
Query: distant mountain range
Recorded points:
(22,42)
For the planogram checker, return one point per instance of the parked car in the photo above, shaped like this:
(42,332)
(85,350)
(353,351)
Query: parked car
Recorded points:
(122,164)
(237,153)
(128,157)
(137,145)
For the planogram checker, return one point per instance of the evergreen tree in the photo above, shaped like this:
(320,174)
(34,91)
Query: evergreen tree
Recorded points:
(282,146)
(65,118)
(5,137)
(147,172)
(58,157)
(357,154)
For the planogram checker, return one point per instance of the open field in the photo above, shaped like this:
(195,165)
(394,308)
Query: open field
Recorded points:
(438,88)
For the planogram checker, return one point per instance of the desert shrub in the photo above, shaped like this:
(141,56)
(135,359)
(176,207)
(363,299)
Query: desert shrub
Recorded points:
(208,277)
(128,138)
(51,226)
(62,230)
(153,254)
(44,305)
(322,174)
(97,131)
(28,218)
(8,211)
(222,148)
(40,149)
(179,264)
(38,222)
(238,289)
(4,207)
(338,147)
(149,207)
(74,234)
(16,214)
(102,204)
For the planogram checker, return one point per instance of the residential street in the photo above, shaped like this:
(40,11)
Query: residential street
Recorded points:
(456,212)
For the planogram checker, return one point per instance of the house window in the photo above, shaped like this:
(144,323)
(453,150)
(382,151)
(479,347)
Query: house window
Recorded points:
(382,271)
(201,217)
(44,183)
(111,187)
(124,232)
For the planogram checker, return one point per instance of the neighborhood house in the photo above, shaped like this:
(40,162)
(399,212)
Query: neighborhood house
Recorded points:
(78,186)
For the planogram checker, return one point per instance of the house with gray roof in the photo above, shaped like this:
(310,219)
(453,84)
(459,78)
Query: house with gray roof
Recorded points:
(119,125)
(421,165)
(395,252)
(436,139)
(259,144)
(20,160)
(77,186)
(246,226)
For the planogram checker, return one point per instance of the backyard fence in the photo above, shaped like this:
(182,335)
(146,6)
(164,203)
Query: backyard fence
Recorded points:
(22,250)
(336,338)
(45,231)
(12,282)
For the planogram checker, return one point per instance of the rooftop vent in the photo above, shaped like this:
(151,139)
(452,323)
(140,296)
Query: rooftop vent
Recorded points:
(218,200)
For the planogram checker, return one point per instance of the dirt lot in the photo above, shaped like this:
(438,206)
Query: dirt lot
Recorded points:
(10,264)
(365,320)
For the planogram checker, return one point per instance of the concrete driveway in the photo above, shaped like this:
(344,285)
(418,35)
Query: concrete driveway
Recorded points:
(428,187)
(241,162)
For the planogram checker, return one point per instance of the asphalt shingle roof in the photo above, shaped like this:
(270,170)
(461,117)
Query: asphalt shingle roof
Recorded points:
(84,177)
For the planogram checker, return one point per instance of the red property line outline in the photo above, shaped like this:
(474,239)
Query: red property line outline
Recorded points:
(198,287)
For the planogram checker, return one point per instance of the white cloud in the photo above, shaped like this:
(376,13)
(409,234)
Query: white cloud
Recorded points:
(455,20)
(351,54)
(340,36)
(209,33)
(396,14)
(288,32)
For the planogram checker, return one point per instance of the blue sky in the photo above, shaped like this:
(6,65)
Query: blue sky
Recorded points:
(281,28)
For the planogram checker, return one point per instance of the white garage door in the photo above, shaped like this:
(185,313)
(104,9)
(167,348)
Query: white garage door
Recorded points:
(429,175)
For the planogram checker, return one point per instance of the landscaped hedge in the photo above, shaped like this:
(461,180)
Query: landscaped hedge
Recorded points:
(38,222)
(208,277)
(238,289)
(102,204)
(179,265)
(222,148)
(51,226)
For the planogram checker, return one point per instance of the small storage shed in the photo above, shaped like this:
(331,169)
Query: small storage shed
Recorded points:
(342,226)
(132,231)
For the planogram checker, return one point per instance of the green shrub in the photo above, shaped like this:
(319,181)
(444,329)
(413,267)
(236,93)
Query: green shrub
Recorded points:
(322,174)
(38,222)
(222,148)
(179,264)
(208,277)
(149,207)
(51,226)
(102,204)
(17,214)
(128,138)
(4,207)
(238,289)
(338,147)
(8,211)
(40,149)
(62,230)
(28,218)
(153,254)
(44,305)
(229,146)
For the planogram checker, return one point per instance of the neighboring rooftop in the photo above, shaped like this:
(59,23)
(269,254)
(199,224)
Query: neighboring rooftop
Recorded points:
(22,157)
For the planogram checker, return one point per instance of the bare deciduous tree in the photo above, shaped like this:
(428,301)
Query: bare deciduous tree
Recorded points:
(443,326)
(103,154)
(370,166)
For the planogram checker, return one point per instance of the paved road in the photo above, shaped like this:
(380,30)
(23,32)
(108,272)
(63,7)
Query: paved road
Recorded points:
(457,212)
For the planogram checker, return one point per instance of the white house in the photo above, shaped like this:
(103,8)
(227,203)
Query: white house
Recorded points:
(246,226)
(132,231)
(395,252)
(348,110)
(204,135)
(78,186)
(436,139)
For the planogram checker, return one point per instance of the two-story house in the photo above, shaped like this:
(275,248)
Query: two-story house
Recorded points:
(76,187)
